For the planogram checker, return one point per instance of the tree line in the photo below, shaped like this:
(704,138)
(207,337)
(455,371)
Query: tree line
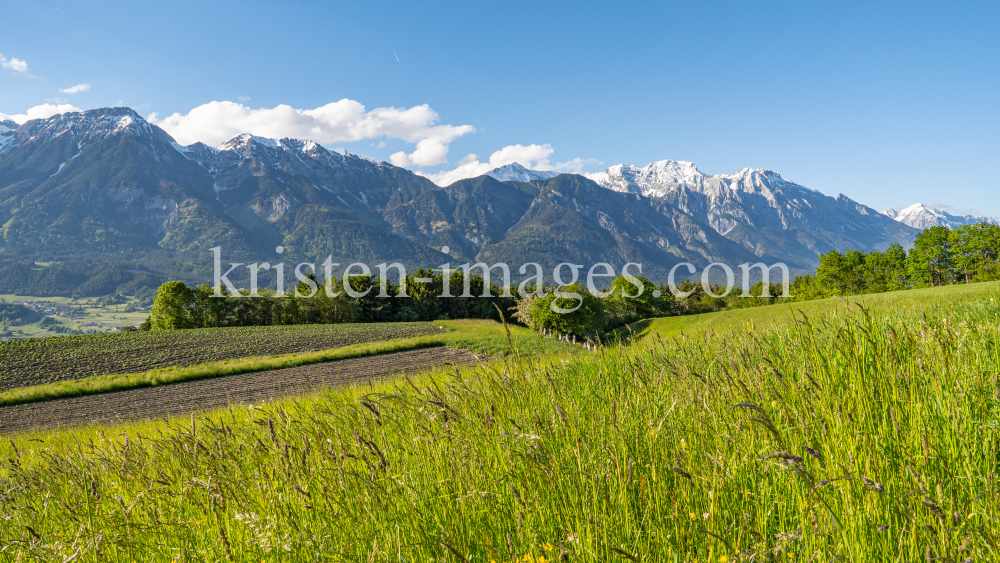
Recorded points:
(178,306)
(939,256)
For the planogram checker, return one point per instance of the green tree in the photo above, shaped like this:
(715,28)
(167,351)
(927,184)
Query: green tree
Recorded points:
(209,311)
(337,309)
(522,311)
(932,261)
(587,318)
(807,287)
(841,274)
(735,300)
(172,307)
(626,304)
(976,249)
(884,271)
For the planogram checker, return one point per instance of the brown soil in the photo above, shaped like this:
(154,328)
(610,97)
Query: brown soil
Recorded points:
(36,361)
(179,398)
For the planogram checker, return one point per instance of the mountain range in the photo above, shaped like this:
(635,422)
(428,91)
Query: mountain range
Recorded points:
(759,210)
(514,172)
(107,184)
(920,216)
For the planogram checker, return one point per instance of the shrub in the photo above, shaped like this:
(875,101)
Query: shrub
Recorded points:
(585,318)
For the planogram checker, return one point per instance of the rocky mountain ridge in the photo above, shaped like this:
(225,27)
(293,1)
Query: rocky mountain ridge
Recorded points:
(920,216)
(106,182)
(516,173)
(759,209)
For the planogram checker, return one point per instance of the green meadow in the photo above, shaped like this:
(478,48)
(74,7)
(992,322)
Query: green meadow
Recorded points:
(783,314)
(812,432)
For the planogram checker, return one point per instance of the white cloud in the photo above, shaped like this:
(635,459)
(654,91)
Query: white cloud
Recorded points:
(75,89)
(576,165)
(15,64)
(429,152)
(532,157)
(39,112)
(338,122)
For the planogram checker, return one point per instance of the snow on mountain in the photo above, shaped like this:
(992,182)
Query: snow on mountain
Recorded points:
(259,183)
(247,154)
(754,197)
(89,126)
(255,179)
(83,129)
(6,134)
(517,173)
(246,141)
(260,180)
(920,216)
(243,156)
(653,180)
(661,178)
(276,153)
(756,206)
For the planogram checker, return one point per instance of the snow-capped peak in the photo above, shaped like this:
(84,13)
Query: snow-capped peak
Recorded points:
(517,173)
(755,198)
(122,124)
(921,216)
(244,145)
(246,140)
(750,173)
(652,180)
(678,171)
(85,127)
(658,179)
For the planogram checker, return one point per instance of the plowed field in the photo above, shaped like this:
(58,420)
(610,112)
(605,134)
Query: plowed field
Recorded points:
(179,398)
(47,360)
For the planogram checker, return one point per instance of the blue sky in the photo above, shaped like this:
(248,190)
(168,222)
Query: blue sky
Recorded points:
(888,103)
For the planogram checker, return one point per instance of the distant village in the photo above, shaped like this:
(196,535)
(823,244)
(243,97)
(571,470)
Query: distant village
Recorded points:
(75,313)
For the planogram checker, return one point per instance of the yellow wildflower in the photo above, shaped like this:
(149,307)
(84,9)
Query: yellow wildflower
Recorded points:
(548,546)
(723,559)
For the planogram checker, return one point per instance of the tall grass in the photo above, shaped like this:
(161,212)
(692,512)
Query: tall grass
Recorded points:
(870,436)
(783,312)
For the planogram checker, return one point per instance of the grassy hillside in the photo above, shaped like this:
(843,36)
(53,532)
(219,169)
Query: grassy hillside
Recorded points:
(849,438)
(785,313)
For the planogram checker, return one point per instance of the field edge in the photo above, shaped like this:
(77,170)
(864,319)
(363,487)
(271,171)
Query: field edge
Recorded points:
(482,337)
(164,376)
